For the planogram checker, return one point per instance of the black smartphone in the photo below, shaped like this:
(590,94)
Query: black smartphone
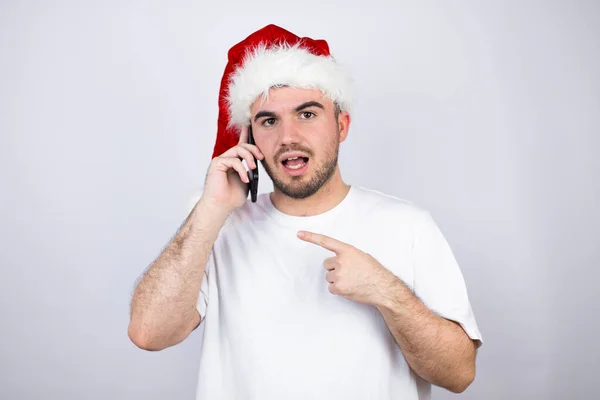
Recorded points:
(253,173)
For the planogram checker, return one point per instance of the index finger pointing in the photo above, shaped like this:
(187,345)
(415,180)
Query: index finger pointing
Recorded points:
(324,241)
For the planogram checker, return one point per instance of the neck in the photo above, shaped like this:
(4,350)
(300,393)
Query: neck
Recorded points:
(330,195)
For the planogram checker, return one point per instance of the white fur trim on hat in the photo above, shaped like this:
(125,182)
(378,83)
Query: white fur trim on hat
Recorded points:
(264,68)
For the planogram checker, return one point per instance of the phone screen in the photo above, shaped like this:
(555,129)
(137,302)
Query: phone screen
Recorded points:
(253,173)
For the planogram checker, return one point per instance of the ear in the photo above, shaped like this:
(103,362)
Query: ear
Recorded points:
(344,125)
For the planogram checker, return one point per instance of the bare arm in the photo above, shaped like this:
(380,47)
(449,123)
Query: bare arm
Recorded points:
(437,349)
(163,309)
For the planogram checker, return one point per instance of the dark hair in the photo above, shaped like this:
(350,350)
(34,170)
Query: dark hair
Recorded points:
(336,110)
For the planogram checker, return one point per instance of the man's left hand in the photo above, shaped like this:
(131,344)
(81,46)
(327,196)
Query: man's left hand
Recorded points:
(352,273)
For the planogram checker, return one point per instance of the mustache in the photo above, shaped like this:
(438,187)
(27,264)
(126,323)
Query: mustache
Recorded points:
(288,149)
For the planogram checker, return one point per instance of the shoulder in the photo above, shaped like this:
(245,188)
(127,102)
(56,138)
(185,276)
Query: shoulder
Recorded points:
(383,205)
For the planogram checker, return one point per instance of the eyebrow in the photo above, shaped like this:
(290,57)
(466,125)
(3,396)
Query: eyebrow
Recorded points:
(301,107)
(309,104)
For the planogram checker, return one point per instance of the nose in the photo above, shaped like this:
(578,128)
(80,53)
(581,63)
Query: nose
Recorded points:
(288,132)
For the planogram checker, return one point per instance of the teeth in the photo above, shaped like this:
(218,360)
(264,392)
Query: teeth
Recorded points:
(295,158)
(297,166)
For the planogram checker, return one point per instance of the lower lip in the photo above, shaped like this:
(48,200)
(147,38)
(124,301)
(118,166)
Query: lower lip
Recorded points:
(296,172)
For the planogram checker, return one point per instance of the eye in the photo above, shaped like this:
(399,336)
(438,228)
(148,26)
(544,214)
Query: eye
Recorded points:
(268,122)
(307,114)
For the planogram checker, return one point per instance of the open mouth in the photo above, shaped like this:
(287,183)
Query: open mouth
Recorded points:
(295,162)
(295,165)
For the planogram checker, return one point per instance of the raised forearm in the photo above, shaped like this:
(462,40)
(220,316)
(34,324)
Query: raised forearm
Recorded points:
(437,349)
(163,309)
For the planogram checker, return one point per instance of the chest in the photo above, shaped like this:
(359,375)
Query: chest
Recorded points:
(273,279)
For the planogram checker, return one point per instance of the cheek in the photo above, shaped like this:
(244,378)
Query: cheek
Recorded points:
(327,146)
(266,144)
(268,150)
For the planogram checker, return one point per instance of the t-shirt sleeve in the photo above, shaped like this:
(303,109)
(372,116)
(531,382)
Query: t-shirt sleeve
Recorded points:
(202,303)
(206,285)
(203,296)
(438,280)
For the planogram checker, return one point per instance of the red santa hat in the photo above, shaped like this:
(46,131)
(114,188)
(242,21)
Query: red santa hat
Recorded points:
(269,57)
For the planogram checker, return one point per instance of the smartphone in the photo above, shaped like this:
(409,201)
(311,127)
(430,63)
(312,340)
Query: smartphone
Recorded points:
(253,173)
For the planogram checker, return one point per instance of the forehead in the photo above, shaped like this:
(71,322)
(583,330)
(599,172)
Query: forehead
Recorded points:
(287,98)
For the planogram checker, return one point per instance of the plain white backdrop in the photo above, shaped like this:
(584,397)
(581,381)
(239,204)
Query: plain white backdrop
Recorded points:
(486,113)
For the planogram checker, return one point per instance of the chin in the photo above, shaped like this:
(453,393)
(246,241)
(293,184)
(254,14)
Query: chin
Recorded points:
(298,190)
(302,186)
(296,187)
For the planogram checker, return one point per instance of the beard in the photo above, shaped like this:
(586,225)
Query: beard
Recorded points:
(300,187)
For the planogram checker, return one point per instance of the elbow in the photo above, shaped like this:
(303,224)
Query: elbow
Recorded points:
(152,339)
(463,381)
(143,340)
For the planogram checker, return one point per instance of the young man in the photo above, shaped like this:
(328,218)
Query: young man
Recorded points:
(319,289)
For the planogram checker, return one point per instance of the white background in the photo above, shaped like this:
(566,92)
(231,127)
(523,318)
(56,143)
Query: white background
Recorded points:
(486,113)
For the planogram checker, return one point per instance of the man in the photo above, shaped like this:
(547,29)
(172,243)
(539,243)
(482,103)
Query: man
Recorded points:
(319,289)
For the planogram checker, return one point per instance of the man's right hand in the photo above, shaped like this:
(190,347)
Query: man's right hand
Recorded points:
(227,181)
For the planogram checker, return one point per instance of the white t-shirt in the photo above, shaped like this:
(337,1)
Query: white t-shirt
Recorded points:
(273,331)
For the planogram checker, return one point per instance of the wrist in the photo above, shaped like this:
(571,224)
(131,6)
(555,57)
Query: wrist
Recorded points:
(206,217)
(392,295)
(208,209)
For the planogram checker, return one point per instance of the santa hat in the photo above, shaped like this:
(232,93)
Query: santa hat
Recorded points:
(269,57)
